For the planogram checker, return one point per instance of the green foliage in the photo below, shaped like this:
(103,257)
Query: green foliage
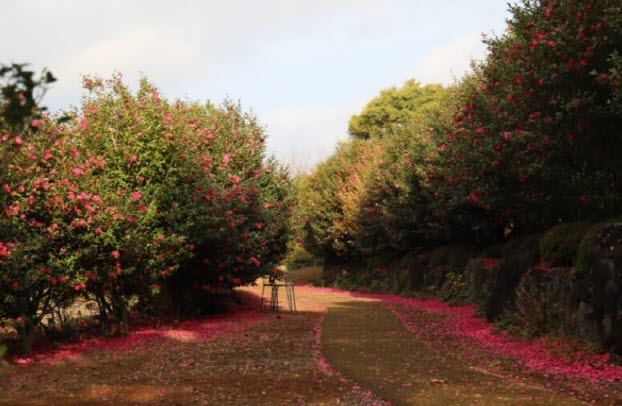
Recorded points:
(454,288)
(395,212)
(396,108)
(329,199)
(135,196)
(298,257)
(454,256)
(529,141)
(559,245)
(535,137)
(20,94)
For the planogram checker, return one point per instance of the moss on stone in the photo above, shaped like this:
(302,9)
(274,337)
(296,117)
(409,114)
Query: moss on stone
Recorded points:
(586,248)
(559,245)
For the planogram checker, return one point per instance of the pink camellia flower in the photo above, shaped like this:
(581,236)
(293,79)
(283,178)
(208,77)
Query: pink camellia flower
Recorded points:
(19,141)
(116,254)
(136,195)
(35,123)
(225,159)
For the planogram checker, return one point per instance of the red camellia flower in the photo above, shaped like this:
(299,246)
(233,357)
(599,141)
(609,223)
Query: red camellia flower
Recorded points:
(136,195)
(473,197)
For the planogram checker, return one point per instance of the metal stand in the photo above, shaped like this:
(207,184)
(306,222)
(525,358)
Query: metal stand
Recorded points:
(273,305)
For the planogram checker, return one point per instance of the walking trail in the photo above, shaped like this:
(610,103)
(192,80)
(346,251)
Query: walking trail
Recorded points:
(338,349)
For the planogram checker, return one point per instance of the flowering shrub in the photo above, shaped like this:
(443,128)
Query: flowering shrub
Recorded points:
(137,196)
(536,138)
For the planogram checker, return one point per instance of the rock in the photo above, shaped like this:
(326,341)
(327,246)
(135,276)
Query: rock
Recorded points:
(597,293)
(435,276)
(516,263)
(543,299)
(480,278)
(413,267)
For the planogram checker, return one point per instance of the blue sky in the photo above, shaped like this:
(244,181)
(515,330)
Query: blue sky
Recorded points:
(304,67)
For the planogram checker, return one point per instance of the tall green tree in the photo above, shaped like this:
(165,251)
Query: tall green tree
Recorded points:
(395,108)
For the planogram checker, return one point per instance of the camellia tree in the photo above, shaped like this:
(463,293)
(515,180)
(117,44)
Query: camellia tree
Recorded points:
(536,138)
(198,208)
(136,197)
(29,230)
(37,270)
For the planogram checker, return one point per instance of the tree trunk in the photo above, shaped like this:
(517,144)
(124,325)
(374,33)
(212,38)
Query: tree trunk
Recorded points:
(120,308)
(103,314)
(27,336)
(124,328)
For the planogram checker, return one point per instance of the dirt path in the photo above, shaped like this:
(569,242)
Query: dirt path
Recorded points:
(338,349)
(370,345)
(274,361)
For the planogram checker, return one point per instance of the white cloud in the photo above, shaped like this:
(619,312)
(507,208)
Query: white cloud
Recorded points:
(304,135)
(305,65)
(451,60)
(167,56)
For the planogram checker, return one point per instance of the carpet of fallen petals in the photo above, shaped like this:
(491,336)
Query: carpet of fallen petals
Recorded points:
(257,357)
(241,358)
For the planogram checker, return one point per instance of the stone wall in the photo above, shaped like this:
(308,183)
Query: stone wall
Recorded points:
(586,302)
